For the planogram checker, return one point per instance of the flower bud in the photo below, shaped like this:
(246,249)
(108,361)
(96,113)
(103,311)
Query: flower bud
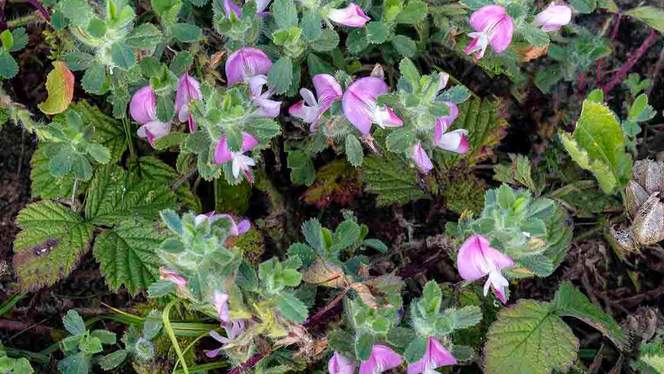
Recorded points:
(554,17)
(351,16)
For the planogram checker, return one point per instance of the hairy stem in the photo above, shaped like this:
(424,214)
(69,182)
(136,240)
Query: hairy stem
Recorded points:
(631,61)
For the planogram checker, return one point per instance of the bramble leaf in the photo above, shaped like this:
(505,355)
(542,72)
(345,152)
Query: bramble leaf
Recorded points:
(52,239)
(391,179)
(529,338)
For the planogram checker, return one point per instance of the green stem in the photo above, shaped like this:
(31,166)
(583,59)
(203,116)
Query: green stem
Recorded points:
(190,346)
(9,304)
(130,143)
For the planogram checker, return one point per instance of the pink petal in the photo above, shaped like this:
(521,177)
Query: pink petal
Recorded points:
(500,294)
(188,89)
(502,36)
(305,113)
(261,5)
(214,352)
(339,364)
(267,108)
(472,44)
(231,8)
(243,226)
(419,155)
(475,256)
(446,121)
(172,276)
(221,153)
(554,17)
(434,357)
(359,101)
(382,358)
(453,141)
(246,63)
(154,130)
(486,16)
(248,142)
(328,90)
(221,305)
(143,105)
(351,16)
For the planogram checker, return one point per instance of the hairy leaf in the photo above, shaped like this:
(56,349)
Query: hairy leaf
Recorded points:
(391,179)
(51,241)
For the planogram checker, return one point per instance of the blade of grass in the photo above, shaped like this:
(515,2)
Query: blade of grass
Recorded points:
(171,334)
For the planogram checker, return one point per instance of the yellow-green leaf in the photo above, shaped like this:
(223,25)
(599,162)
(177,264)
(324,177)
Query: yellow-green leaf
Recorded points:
(60,87)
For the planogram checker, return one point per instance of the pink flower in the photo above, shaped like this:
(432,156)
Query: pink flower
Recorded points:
(188,90)
(492,26)
(245,63)
(221,306)
(240,162)
(434,357)
(351,16)
(339,364)
(143,109)
(233,330)
(266,107)
(231,8)
(421,159)
(236,228)
(360,107)
(310,110)
(382,358)
(453,141)
(554,17)
(476,259)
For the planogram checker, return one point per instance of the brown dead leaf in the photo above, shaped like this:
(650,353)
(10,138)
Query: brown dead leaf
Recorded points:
(325,274)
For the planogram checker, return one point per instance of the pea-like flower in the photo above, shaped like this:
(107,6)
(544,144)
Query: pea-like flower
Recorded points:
(311,110)
(233,330)
(453,141)
(476,259)
(493,26)
(360,107)
(236,228)
(246,63)
(231,8)
(173,277)
(239,161)
(382,358)
(421,158)
(221,306)
(143,109)
(262,99)
(188,90)
(339,364)
(554,17)
(435,356)
(351,16)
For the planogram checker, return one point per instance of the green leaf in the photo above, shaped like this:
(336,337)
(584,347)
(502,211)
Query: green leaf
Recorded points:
(313,234)
(391,179)
(51,241)
(346,234)
(126,255)
(354,152)
(78,61)
(529,338)
(186,32)
(107,130)
(598,145)
(60,87)
(415,12)
(570,302)
(157,171)
(106,337)
(113,360)
(535,36)
(400,140)
(280,75)
(122,56)
(376,244)
(7,40)
(75,364)
(292,308)
(20,39)
(285,13)
(160,288)
(415,349)
(404,45)
(377,32)
(73,323)
(302,168)
(44,184)
(145,36)
(327,41)
(652,16)
(115,195)
(311,25)
(583,6)
(94,80)
(8,66)
(357,41)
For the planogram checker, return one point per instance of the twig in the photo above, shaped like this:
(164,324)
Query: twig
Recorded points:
(631,61)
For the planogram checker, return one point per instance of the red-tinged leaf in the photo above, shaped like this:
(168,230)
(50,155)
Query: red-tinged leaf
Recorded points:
(60,87)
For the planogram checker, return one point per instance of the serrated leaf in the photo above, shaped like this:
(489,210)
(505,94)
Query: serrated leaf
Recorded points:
(598,145)
(73,323)
(45,185)
(157,171)
(126,255)
(529,338)
(280,75)
(94,80)
(186,32)
(570,302)
(60,87)
(285,13)
(327,41)
(108,130)
(115,195)
(123,57)
(51,240)
(8,66)
(144,36)
(78,363)
(292,308)
(302,168)
(354,152)
(113,360)
(313,234)
(391,179)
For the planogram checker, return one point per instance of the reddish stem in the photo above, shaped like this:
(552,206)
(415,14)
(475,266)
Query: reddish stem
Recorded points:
(37,5)
(631,61)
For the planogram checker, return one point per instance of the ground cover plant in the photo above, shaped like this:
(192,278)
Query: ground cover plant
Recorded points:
(284,186)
